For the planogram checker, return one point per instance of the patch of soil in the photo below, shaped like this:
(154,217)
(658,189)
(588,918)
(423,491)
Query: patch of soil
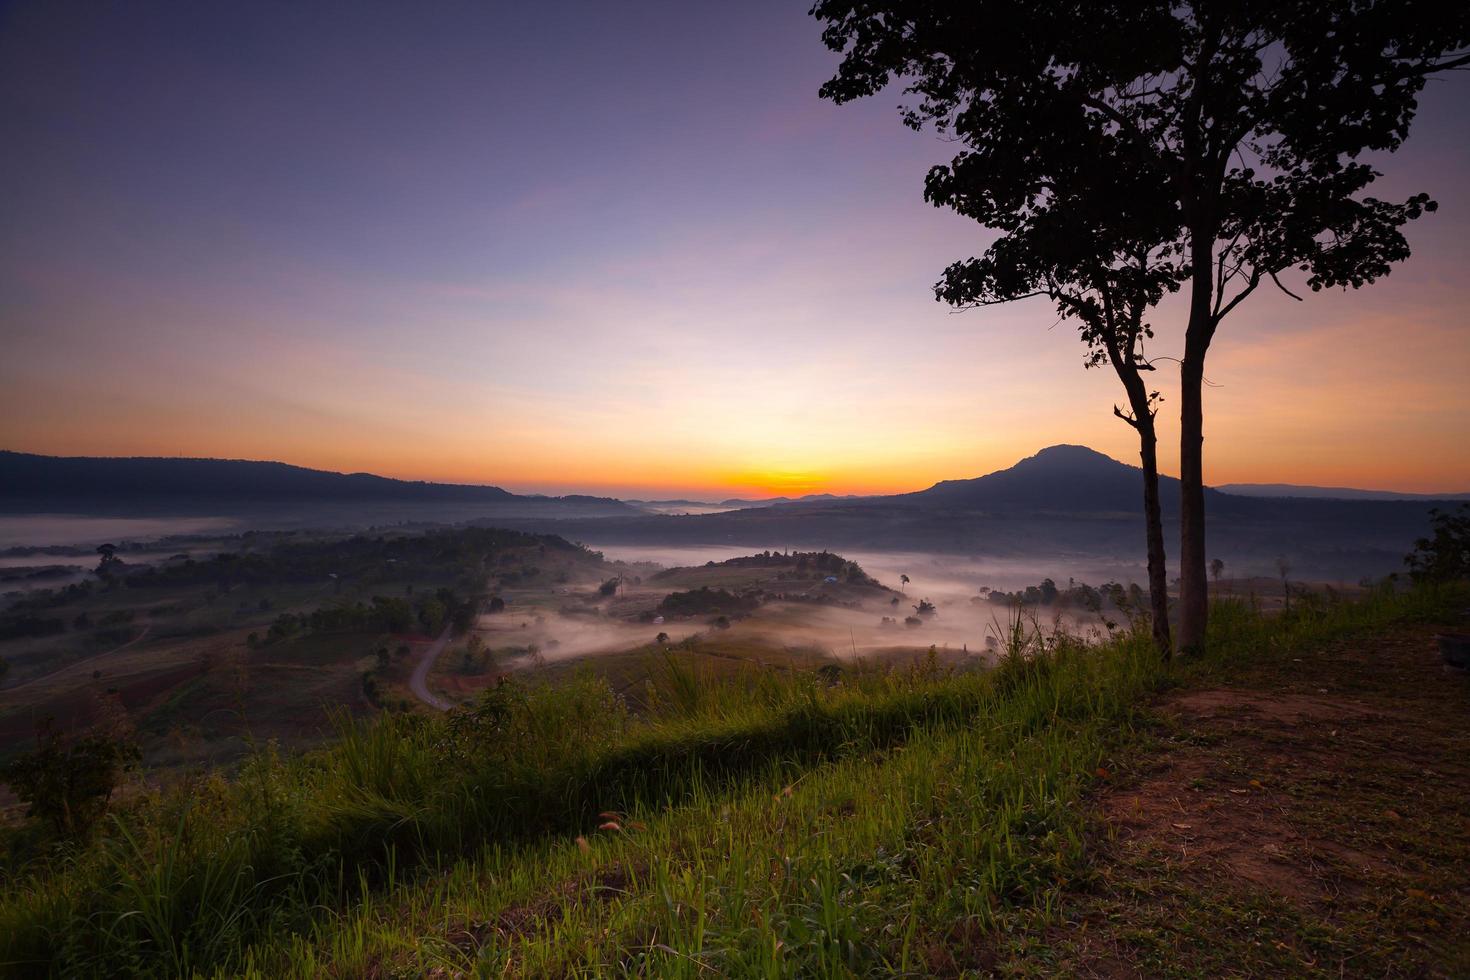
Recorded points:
(1311,821)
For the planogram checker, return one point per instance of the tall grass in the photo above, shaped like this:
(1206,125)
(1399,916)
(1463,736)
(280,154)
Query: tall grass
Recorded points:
(957,791)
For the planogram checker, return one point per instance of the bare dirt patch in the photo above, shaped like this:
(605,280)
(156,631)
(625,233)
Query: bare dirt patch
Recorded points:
(1310,821)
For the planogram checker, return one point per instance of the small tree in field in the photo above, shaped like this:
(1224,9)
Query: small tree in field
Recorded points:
(1217,146)
(67,781)
(1444,556)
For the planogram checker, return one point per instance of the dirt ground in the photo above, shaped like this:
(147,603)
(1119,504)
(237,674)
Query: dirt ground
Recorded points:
(1304,818)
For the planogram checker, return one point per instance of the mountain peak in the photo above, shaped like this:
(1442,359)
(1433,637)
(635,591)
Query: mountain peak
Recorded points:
(1058,478)
(1068,453)
(1067,449)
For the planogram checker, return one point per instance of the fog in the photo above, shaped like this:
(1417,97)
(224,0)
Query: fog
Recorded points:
(964,622)
(560,636)
(41,530)
(937,577)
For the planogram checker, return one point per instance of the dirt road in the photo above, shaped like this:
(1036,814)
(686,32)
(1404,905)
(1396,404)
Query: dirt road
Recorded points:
(418,683)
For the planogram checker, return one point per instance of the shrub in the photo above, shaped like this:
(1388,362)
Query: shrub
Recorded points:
(67,781)
(1445,555)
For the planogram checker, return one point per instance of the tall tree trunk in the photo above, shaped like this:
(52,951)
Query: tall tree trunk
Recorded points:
(1194,604)
(1194,585)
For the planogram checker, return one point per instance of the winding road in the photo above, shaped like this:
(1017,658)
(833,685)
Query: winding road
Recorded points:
(418,683)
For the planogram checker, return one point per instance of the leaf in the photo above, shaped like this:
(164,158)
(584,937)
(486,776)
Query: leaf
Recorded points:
(1183,826)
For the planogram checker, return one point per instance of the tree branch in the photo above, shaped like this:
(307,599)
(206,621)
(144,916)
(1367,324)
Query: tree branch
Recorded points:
(1284,289)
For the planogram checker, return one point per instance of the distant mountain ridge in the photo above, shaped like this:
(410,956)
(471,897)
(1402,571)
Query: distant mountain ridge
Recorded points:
(1329,493)
(28,480)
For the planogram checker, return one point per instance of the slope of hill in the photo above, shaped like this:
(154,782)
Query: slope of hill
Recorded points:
(36,483)
(1328,493)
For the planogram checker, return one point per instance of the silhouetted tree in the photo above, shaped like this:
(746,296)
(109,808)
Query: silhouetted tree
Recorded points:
(67,781)
(1215,146)
(1283,567)
(903,582)
(1445,555)
(108,562)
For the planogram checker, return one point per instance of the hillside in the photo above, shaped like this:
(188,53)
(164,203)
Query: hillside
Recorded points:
(36,483)
(839,821)
(1329,493)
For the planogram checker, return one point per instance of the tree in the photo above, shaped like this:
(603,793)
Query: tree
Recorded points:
(67,782)
(1445,555)
(1283,568)
(108,562)
(1217,568)
(903,582)
(1240,127)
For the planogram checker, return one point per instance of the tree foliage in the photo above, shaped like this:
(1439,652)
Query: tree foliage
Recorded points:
(1097,138)
(67,781)
(1444,556)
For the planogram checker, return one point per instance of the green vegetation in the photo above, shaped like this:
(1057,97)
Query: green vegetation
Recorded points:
(67,782)
(707,601)
(1444,556)
(767,822)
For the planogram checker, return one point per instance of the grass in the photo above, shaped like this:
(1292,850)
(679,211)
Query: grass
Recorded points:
(767,824)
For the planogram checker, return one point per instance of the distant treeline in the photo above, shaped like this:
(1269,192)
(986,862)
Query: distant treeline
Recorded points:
(804,564)
(462,552)
(1112,595)
(707,601)
(390,614)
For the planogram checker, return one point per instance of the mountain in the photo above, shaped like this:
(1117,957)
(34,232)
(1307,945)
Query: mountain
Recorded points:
(35,483)
(1065,479)
(1064,501)
(1329,493)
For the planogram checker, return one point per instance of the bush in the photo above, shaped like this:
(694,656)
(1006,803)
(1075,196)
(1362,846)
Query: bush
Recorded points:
(706,601)
(67,782)
(1445,555)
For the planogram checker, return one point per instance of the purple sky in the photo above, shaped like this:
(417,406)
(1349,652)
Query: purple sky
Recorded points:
(610,247)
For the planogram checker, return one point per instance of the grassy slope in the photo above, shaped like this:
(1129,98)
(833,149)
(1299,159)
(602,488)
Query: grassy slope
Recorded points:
(897,823)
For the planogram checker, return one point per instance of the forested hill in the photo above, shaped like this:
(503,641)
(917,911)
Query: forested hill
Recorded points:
(30,482)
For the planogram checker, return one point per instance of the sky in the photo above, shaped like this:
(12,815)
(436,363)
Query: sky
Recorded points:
(608,248)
